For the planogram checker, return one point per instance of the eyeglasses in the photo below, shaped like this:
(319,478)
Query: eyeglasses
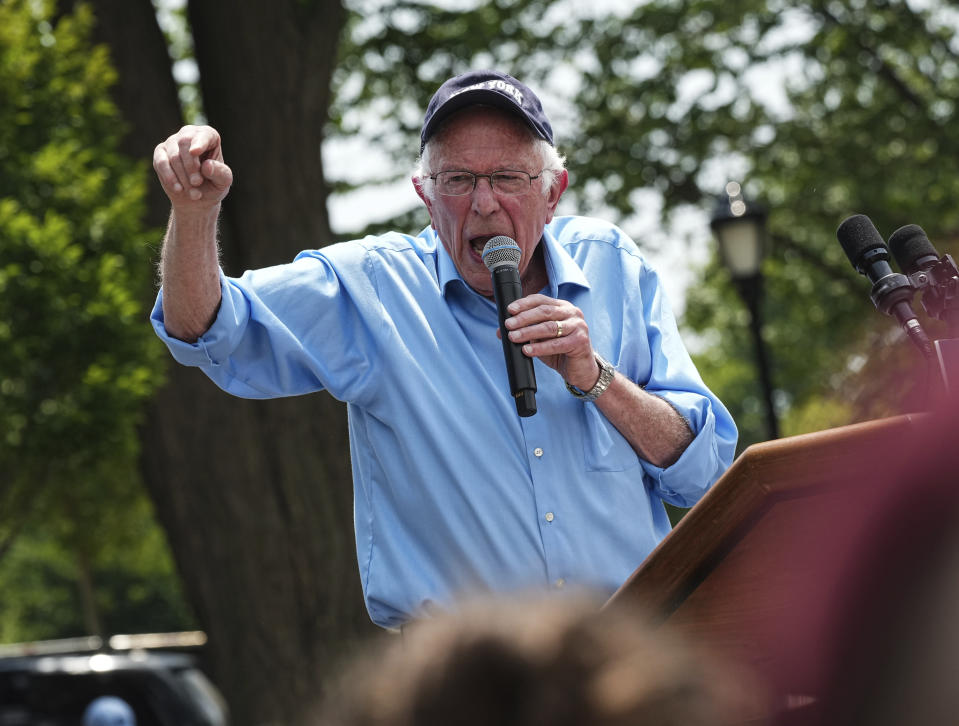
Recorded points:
(505,181)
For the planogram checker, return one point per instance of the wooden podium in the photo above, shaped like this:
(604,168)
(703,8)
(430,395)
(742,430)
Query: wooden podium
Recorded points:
(736,573)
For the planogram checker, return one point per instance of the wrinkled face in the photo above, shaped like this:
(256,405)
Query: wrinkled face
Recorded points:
(484,140)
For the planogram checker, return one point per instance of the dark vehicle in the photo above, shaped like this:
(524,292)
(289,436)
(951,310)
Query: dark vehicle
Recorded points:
(40,686)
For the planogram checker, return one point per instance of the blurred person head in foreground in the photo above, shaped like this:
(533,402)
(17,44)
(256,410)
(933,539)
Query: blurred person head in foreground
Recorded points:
(109,711)
(538,662)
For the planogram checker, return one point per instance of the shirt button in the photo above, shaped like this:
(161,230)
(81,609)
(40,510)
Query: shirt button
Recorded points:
(559,583)
(537,452)
(549,516)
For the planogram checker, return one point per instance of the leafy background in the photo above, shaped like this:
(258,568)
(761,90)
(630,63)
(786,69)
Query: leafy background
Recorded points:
(820,109)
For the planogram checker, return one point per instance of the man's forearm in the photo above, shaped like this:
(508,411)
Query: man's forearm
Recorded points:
(654,429)
(190,167)
(190,273)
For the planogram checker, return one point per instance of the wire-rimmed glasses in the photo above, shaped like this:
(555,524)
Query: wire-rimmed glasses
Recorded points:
(509,182)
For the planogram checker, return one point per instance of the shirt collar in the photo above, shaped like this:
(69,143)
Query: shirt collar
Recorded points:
(446,272)
(560,267)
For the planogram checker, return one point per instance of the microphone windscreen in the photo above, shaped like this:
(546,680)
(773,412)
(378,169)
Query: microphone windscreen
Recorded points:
(909,244)
(858,235)
(500,251)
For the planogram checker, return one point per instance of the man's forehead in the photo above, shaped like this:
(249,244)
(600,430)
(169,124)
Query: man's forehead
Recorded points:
(485,159)
(486,134)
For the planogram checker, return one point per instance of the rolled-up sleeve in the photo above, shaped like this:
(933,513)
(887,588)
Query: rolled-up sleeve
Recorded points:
(217,343)
(290,329)
(708,455)
(673,377)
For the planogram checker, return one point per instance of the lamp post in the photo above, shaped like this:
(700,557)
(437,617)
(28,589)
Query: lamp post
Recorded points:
(740,231)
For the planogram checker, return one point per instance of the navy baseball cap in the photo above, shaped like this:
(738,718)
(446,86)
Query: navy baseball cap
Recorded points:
(490,88)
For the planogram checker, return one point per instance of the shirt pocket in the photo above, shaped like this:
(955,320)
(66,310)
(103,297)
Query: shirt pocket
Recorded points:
(604,448)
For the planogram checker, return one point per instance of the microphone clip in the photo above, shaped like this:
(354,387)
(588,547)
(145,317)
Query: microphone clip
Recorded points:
(889,291)
(938,283)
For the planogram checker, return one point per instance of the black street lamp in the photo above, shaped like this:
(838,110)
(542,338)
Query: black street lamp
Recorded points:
(740,230)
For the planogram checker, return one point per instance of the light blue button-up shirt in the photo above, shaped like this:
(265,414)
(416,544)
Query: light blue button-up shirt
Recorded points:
(454,492)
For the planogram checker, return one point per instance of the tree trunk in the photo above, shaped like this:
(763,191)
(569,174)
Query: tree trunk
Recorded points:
(145,91)
(265,76)
(257,499)
(255,496)
(88,601)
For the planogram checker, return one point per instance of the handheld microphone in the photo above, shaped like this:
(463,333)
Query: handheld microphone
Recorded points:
(891,292)
(502,255)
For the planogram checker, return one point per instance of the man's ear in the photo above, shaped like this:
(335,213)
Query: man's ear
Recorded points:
(555,192)
(419,186)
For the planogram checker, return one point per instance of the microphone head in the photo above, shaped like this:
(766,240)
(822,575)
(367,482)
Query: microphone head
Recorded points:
(909,245)
(501,251)
(860,240)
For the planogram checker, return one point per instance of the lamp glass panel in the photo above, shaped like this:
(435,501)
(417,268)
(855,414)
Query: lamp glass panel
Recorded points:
(740,241)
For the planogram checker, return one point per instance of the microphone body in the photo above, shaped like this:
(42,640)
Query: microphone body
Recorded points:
(937,277)
(891,292)
(912,249)
(501,255)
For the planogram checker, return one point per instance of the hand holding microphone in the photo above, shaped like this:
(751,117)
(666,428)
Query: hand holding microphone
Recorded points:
(552,330)
(502,256)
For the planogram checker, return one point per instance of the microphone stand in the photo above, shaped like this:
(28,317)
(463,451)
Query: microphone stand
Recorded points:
(939,285)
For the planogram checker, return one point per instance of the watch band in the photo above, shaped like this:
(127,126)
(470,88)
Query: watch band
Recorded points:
(606,375)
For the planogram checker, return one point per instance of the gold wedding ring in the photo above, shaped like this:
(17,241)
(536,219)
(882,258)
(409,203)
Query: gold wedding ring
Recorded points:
(559,329)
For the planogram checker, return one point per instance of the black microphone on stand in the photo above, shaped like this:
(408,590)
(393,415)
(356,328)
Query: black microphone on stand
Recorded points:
(912,249)
(502,255)
(891,292)
(937,278)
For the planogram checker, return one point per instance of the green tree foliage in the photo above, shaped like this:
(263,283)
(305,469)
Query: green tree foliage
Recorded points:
(820,108)
(134,586)
(661,96)
(823,109)
(393,56)
(76,360)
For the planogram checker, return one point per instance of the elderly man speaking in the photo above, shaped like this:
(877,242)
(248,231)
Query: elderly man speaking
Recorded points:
(454,491)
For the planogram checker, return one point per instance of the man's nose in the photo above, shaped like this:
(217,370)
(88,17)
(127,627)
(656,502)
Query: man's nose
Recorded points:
(484,199)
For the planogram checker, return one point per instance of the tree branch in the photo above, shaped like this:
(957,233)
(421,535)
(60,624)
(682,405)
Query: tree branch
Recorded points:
(813,259)
(884,70)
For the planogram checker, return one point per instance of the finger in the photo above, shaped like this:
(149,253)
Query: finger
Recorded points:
(189,160)
(172,150)
(219,174)
(576,345)
(550,310)
(548,330)
(164,172)
(544,347)
(530,302)
(205,144)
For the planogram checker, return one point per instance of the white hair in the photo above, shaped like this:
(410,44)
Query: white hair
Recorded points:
(552,163)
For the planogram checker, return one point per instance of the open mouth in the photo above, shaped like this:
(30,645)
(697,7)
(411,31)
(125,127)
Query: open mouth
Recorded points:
(478,243)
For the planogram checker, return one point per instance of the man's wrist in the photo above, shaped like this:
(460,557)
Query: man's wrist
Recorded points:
(193,214)
(606,375)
